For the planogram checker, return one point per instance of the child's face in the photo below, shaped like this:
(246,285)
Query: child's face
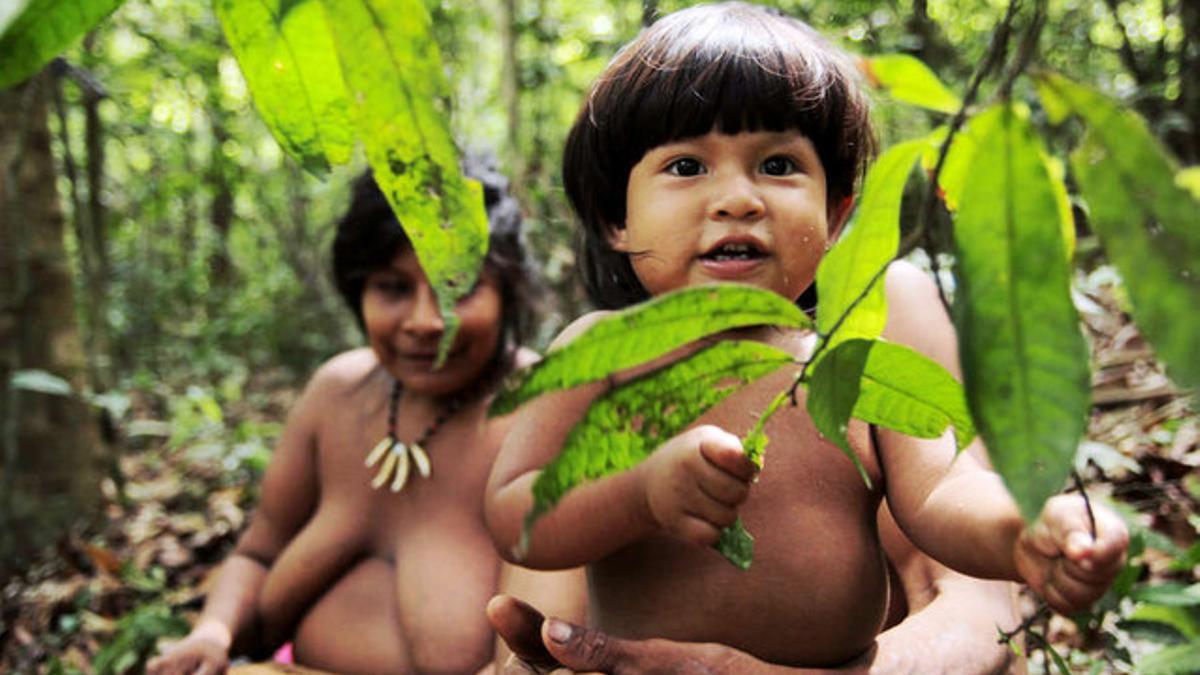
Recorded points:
(404,327)
(748,207)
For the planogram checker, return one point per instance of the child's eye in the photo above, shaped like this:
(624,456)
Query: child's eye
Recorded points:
(685,166)
(779,166)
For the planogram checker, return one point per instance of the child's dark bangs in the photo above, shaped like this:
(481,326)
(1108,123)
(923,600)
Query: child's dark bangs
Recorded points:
(729,90)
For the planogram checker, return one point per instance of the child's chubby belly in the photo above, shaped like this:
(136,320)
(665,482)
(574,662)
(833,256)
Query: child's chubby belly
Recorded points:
(409,600)
(817,591)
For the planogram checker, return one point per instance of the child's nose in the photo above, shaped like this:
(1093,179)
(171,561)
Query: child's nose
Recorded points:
(425,319)
(736,198)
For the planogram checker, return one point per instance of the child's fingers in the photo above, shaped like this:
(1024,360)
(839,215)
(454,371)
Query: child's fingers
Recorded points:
(1070,591)
(695,530)
(718,485)
(724,451)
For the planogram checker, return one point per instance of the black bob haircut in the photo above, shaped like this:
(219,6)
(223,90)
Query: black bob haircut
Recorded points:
(731,67)
(369,237)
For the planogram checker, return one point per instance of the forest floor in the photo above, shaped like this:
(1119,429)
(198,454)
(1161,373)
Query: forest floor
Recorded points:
(103,600)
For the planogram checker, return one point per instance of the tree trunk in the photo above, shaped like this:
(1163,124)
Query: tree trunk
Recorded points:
(49,472)
(510,92)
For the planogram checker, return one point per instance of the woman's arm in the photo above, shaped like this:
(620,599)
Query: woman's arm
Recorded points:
(229,621)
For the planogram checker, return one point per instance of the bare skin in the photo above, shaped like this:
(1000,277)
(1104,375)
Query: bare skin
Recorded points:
(363,580)
(814,518)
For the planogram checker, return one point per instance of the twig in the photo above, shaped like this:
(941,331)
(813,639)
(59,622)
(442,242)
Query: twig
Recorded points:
(1006,637)
(1026,50)
(1087,503)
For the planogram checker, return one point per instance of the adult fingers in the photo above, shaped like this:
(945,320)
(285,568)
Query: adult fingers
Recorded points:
(584,649)
(520,626)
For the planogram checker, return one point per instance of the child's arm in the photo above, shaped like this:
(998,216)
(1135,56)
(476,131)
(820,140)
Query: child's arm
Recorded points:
(691,486)
(959,511)
(229,621)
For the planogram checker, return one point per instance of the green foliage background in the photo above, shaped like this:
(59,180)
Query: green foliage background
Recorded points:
(218,244)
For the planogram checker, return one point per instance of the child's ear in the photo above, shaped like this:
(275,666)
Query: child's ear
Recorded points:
(618,238)
(839,213)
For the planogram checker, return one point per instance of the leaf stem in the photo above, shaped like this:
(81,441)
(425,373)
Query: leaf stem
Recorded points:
(1087,503)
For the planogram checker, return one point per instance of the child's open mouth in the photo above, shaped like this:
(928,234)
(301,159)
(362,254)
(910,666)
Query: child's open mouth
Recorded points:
(733,252)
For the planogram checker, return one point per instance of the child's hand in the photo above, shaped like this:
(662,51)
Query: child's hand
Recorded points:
(695,483)
(1058,558)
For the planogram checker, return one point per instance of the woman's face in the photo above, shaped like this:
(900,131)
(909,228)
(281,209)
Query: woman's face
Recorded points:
(404,327)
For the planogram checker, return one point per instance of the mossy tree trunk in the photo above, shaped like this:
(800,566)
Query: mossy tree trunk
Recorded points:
(49,443)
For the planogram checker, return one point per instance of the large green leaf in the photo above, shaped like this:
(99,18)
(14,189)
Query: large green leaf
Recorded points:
(34,31)
(286,53)
(1145,219)
(905,390)
(625,425)
(646,331)
(954,176)
(867,247)
(393,73)
(1177,660)
(833,389)
(907,79)
(1023,355)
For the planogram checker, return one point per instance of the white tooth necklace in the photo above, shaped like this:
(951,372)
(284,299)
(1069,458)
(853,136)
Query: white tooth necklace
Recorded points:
(398,457)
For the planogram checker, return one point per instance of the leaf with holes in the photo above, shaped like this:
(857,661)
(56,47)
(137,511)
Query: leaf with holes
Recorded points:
(625,425)
(394,78)
(646,331)
(1024,359)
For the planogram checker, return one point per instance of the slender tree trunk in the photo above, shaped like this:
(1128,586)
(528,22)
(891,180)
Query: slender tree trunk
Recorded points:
(510,92)
(48,470)
(1188,103)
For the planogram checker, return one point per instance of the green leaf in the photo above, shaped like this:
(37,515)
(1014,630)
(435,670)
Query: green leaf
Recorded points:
(907,79)
(287,55)
(1178,660)
(1189,179)
(905,390)
(866,248)
(833,390)
(625,425)
(957,166)
(38,30)
(1146,221)
(393,73)
(646,331)
(1169,595)
(737,545)
(1184,621)
(1023,355)
(42,382)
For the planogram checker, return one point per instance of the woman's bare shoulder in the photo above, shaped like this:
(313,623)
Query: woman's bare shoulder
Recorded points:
(344,371)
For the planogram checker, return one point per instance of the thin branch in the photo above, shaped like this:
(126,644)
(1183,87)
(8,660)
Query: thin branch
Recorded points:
(1026,51)
(1087,503)
(1006,637)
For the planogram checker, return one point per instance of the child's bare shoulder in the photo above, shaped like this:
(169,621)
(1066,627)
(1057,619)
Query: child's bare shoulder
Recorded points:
(578,327)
